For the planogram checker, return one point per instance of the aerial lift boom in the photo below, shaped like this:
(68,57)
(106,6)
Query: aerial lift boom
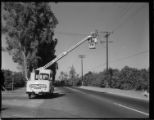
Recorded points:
(91,39)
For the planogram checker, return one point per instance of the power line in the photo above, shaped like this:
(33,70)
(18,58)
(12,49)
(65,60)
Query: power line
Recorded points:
(117,27)
(126,10)
(143,52)
(132,15)
(124,13)
(81,34)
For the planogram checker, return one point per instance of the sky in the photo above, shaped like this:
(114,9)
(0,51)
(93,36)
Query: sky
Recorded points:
(129,44)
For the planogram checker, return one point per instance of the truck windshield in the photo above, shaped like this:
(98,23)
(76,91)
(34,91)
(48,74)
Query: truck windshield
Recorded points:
(44,76)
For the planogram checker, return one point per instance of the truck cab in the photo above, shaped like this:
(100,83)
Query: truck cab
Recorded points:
(40,83)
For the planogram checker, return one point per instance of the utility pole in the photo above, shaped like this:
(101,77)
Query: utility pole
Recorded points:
(82,56)
(107,34)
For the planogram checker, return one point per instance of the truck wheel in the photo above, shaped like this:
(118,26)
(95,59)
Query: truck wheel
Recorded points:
(29,96)
(51,92)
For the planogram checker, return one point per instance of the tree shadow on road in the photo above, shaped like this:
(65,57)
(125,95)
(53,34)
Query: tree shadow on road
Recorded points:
(54,95)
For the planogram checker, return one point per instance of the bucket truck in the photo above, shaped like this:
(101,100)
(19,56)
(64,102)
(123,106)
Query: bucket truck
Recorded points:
(41,82)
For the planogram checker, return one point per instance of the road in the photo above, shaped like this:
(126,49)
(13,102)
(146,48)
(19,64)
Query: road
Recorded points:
(68,102)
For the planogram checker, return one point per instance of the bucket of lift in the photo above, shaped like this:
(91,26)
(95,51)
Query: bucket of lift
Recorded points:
(92,43)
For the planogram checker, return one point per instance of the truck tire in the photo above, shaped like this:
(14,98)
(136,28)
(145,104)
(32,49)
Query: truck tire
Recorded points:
(51,92)
(29,96)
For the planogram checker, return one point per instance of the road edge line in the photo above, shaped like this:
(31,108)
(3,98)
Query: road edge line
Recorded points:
(147,114)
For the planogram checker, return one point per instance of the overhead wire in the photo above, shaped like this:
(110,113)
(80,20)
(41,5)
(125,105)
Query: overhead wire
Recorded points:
(143,52)
(81,34)
(124,13)
(117,27)
(132,15)
(123,58)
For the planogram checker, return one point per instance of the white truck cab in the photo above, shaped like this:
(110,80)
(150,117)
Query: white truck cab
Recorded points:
(40,82)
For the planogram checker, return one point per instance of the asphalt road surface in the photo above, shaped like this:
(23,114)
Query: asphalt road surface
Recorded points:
(68,102)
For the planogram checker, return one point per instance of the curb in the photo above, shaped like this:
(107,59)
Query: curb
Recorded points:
(146,99)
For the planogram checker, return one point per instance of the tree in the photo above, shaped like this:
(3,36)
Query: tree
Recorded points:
(115,82)
(2,80)
(61,76)
(131,78)
(19,81)
(105,78)
(125,76)
(29,30)
(66,79)
(72,75)
(142,80)
(8,76)
(91,79)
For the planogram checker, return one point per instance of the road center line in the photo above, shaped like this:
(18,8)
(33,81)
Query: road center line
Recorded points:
(132,109)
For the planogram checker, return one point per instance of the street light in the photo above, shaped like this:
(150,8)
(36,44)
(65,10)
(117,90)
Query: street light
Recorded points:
(82,56)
